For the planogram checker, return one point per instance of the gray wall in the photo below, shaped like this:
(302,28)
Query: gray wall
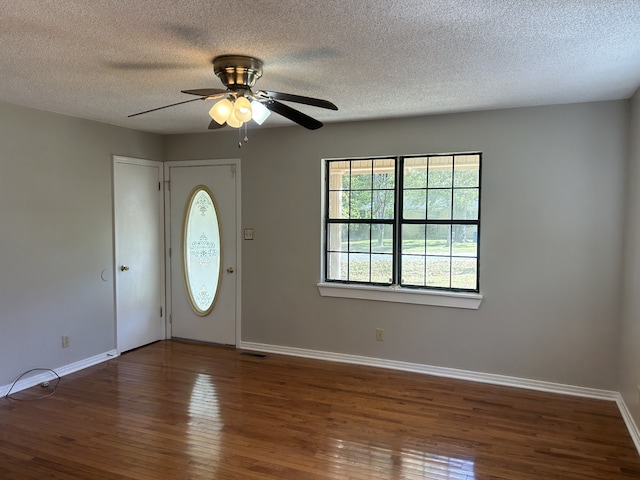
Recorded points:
(56,224)
(552,236)
(630,337)
(551,259)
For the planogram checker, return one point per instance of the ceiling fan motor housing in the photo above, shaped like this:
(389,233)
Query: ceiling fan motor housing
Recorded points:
(237,71)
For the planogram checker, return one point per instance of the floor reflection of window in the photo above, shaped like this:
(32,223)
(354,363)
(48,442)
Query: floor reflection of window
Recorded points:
(204,400)
(436,466)
(403,463)
(205,421)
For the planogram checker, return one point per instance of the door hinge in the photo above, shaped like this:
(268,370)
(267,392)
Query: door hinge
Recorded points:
(159,186)
(170,319)
(169,252)
(161,312)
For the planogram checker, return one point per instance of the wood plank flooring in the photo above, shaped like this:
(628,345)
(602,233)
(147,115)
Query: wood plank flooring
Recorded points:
(174,410)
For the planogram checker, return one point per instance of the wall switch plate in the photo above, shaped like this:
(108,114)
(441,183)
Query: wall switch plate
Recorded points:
(248,233)
(379,334)
(65,341)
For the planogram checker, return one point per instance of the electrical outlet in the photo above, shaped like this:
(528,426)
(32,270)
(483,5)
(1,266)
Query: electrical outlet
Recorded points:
(65,341)
(379,334)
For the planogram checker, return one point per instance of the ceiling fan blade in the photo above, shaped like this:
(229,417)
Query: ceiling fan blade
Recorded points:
(294,115)
(166,106)
(206,92)
(288,97)
(215,125)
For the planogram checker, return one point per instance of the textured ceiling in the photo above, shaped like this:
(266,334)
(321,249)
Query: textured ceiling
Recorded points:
(103,60)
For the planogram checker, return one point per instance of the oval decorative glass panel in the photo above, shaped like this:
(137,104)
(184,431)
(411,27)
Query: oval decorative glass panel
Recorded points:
(202,250)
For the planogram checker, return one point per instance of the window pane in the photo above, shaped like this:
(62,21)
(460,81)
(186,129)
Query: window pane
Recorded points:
(413,239)
(439,204)
(415,173)
(383,204)
(465,204)
(413,270)
(339,175)
(361,204)
(438,239)
(465,273)
(338,237)
(440,172)
(202,250)
(438,269)
(361,174)
(414,204)
(381,238)
(382,268)
(337,266)
(467,171)
(439,193)
(465,241)
(339,204)
(384,174)
(359,267)
(359,237)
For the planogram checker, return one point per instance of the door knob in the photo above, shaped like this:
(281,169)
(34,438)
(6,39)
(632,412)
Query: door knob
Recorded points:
(124,268)
(230,270)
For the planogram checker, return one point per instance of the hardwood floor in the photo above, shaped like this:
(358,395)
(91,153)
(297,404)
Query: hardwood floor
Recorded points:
(175,410)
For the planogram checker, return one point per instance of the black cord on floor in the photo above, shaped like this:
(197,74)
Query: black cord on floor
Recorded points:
(57,380)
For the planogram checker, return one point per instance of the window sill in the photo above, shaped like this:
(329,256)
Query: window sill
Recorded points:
(402,295)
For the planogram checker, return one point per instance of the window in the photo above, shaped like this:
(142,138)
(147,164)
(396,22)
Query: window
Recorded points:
(201,252)
(408,221)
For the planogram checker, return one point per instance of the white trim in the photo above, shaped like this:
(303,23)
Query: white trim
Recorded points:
(46,376)
(402,295)
(629,422)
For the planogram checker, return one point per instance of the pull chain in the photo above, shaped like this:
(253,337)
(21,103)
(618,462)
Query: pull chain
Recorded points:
(240,137)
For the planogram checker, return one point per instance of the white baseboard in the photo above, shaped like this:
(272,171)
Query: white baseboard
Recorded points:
(47,376)
(459,374)
(628,420)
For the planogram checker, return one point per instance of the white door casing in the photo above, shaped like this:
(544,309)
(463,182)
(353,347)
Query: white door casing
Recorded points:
(139,252)
(222,179)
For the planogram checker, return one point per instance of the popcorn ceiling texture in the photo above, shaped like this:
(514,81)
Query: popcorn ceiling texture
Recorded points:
(373,58)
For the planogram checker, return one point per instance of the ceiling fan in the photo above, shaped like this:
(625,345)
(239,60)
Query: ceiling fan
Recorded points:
(238,103)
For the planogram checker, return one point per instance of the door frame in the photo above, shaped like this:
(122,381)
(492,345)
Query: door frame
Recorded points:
(235,162)
(163,281)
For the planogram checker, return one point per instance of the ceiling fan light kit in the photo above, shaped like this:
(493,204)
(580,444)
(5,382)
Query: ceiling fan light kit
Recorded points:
(239,104)
(259,113)
(221,110)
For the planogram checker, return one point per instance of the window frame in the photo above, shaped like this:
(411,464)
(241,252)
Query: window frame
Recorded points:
(397,222)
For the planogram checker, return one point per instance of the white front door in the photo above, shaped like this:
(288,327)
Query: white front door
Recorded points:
(139,252)
(219,324)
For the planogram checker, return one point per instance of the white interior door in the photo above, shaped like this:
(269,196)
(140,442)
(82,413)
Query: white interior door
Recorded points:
(139,252)
(221,180)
